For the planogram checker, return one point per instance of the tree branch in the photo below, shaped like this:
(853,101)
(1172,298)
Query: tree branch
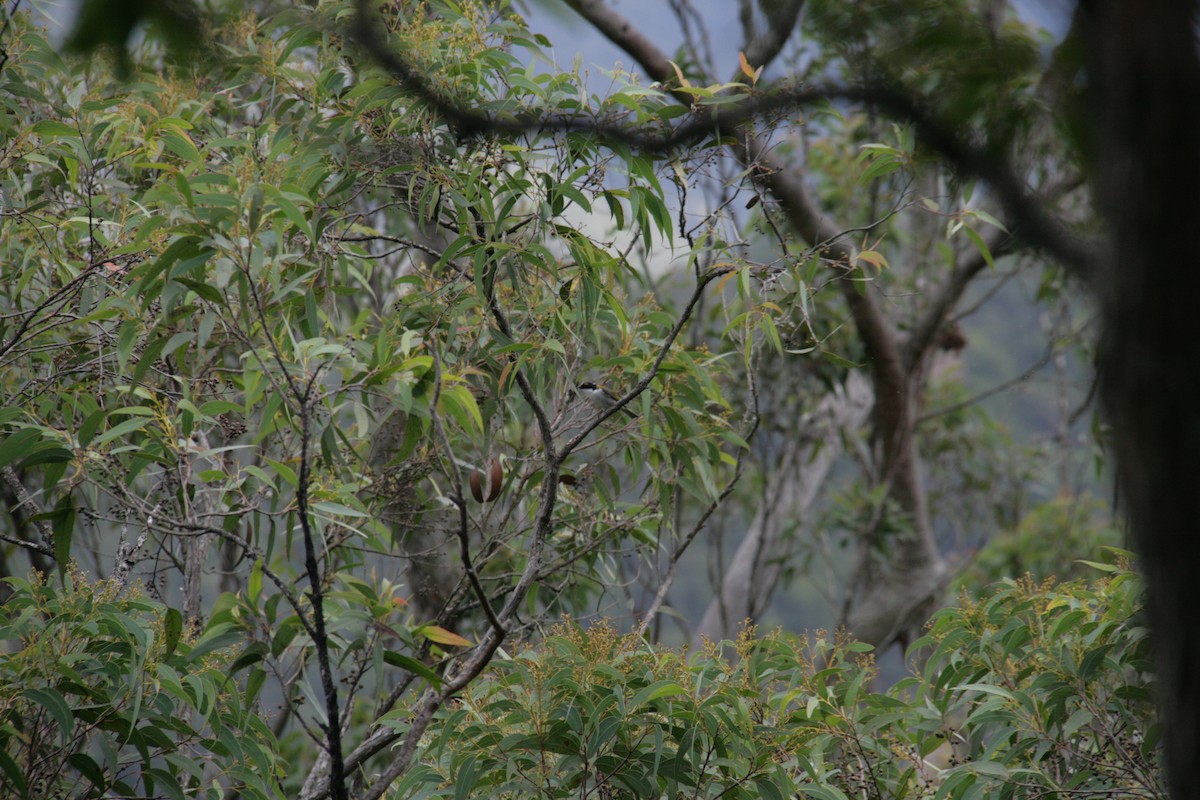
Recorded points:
(1028,215)
(1025,375)
(665,581)
(791,489)
(645,380)
(462,531)
(25,500)
(896,385)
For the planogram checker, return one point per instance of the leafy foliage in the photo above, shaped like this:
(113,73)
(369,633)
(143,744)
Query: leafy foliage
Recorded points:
(270,325)
(1083,523)
(1051,688)
(267,312)
(1039,688)
(101,696)
(214,250)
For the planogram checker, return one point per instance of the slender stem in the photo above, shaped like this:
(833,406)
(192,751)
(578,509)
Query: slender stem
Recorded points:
(316,593)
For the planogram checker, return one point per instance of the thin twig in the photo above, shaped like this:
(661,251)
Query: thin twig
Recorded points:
(462,531)
(25,500)
(1008,384)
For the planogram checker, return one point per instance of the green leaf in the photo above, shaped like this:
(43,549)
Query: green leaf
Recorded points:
(64,528)
(254,684)
(213,408)
(440,635)
(655,691)
(165,782)
(18,444)
(989,768)
(1078,719)
(338,509)
(459,403)
(1091,664)
(53,702)
(89,769)
(981,246)
(464,779)
(53,128)
(1100,565)
(90,425)
(13,774)
(1064,624)
(985,688)
(179,143)
(254,584)
(768,790)
(412,665)
(215,637)
(988,218)
(172,629)
(284,471)
(47,453)
(149,356)
(121,429)
(125,342)
(290,210)
(251,654)
(823,792)
(203,290)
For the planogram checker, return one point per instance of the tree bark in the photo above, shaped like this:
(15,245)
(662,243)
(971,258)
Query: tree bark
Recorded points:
(201,511)
(1143,116)
(891,604)
(754,570)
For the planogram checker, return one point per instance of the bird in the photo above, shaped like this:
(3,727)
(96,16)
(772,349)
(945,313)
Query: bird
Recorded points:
(601,398)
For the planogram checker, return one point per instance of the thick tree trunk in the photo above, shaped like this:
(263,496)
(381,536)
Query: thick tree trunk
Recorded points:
(195,549)
(202,511)
(1143,114)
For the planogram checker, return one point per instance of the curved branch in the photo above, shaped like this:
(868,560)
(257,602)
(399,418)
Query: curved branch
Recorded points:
(896,384)
(1028,215)
(945,299)
(645,380)
(305,399)
(665,581)
(25,500)
(790,492)
(462,531)
(786,185)
(979,397)
(543,526)
(763,49)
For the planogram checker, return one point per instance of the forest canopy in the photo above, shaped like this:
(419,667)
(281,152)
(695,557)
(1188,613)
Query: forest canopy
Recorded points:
(390,409)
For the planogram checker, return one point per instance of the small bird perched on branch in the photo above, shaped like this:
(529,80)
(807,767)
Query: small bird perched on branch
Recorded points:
(600,397)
